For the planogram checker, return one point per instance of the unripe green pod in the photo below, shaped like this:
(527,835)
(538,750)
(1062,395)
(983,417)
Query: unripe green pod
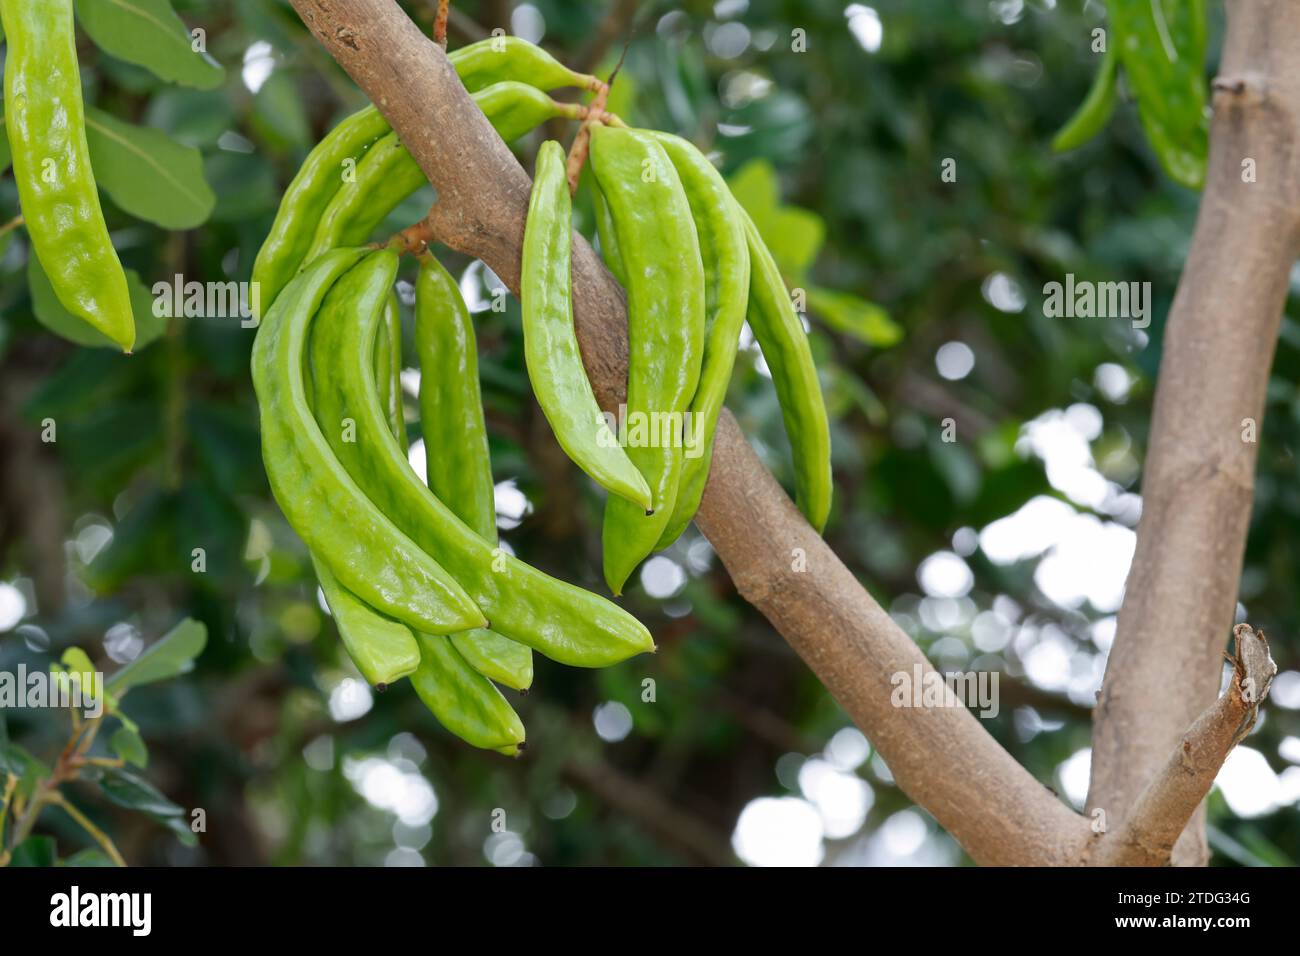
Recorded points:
(45,120)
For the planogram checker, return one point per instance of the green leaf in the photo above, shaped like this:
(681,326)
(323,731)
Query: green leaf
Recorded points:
(278,111)
(793,235)
(192,117)
(78,664)
(848,391)
(35,851)
(88,857)
(77,661)
(170,656)
(16,760)
(148,33)
(143,543)
(178,826)
(50,312)
(851,315)
(756,188)
(129,745)
(245,183)
(130,790)
(147,173)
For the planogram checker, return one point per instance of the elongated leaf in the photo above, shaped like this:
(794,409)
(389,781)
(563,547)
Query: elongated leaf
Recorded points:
(50,312)
(78,661)
(794,235)
(80,669)
(191,117)
(129,745)
(143,542)
(855,316)
(130,790)
(170,656)
(179,826)
(35,851)
(16,760)
(147,173)
(88,857)
(278,112)
(755,187)
(148,33)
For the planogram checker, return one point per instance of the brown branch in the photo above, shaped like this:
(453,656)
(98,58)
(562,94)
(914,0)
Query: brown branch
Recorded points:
(1147,834)
(1199,474)
(633,799)
(941,757)
(582,142)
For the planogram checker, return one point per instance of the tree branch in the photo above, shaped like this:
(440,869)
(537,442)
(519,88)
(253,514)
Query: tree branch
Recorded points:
(1199,473)
(1147,834)
(941,756)
(630,797)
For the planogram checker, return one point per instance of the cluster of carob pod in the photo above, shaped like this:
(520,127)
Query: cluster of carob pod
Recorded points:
(412,572)
(45,120)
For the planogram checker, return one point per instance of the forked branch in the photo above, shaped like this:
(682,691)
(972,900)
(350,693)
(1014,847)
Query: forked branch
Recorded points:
(1147,834)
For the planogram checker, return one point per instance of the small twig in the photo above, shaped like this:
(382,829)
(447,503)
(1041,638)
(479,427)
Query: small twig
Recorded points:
(11,784)
(440,24)
(11,225)
(582,142)
(112,762)
(100,837)
(582,145)
(590,112)
(595,113)
(87,739)
(25,823)
(651,810)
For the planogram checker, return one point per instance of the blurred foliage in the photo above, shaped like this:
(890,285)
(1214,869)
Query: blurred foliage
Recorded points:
(839,153)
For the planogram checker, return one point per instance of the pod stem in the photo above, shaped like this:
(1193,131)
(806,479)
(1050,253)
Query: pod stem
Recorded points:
(580,111)
(440,23)
(411,240)
(582,142)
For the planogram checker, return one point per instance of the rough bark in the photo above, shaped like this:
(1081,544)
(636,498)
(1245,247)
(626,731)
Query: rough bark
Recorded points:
(1164,667)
